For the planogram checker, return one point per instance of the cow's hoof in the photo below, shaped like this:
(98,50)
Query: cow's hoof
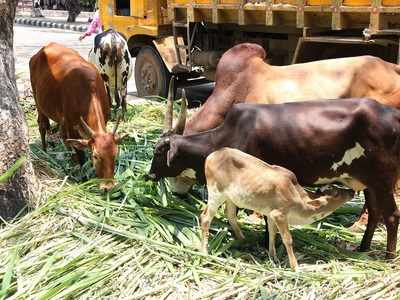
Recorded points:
(390,255)
(363,248)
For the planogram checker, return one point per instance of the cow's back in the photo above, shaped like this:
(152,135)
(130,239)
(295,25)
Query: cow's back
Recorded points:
(243,76)
(64,84)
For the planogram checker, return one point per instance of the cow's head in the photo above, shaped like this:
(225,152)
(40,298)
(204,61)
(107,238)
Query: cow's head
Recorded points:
(104,149)
(166,162)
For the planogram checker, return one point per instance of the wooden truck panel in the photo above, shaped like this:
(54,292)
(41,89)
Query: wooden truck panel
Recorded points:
(337,14)
(186,37)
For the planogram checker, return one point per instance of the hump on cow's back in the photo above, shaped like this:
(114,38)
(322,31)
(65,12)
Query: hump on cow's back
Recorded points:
(247,50)
(236,59)
(52,51)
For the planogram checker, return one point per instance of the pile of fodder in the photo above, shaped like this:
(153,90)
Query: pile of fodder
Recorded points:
(139,241)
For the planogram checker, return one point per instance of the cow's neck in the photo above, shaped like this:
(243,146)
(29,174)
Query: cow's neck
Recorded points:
(96,119)
(194,149)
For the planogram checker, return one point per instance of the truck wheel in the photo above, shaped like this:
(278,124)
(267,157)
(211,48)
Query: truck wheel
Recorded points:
(151,75)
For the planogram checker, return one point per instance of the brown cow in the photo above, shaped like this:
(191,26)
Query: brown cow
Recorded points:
(69,90)
(243,76)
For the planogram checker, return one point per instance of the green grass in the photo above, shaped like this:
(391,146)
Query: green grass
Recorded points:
(140,242)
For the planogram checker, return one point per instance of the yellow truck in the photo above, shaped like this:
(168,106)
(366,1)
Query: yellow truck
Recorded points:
(187,37)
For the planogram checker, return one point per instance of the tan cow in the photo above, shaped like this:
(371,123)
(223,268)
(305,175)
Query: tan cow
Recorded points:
(69,90)
(241,180)
(242,75)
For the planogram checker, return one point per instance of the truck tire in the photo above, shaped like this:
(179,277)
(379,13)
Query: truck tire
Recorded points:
(151,75)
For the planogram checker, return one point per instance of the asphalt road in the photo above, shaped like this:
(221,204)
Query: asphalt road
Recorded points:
(29,39)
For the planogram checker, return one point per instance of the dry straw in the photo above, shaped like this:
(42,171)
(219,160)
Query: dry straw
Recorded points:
(140,242)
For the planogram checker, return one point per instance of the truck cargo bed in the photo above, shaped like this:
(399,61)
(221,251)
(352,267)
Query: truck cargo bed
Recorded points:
(337,15)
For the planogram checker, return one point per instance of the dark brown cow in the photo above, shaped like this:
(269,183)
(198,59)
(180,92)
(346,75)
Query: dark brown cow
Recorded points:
(69,90)
(355,142)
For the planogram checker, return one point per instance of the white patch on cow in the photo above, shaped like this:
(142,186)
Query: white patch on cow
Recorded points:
(351,154)
(182,183)
(345,179)
(190,173)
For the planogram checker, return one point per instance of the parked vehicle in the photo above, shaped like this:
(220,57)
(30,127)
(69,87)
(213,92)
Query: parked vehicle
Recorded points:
(186,38)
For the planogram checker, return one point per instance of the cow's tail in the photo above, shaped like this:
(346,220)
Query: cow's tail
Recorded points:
(114,58)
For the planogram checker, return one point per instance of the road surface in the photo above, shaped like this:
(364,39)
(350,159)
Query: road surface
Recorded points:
(29,39)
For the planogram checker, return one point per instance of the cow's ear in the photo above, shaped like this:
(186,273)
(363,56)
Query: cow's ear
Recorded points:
(78,144)
(172,153)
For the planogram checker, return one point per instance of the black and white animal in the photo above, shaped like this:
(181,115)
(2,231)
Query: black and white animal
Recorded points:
(111,56)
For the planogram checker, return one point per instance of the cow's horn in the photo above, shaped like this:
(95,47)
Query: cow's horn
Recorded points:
(116,124)
(170,103)
(180,126)
(89,131)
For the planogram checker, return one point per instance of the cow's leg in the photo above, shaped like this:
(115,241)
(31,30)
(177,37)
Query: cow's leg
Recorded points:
(266,232)
(391,218)
(123,102)
(230,211)
(283,227)
(373,219)
(214,202)
(116,98)
(67,133)
(44,125)
(80,156)
(109,94)
(272,230)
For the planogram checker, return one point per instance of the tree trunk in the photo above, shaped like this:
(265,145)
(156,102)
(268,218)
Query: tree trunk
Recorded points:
(17,191)
(74,9)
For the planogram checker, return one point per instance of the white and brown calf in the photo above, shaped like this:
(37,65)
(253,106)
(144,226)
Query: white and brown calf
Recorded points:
(241,180)
(111,56)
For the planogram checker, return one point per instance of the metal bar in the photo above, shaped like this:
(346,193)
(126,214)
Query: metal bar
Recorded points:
(189,46)
(178,57)
(298,47)
(398,52)
(193,34)
(341,40)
